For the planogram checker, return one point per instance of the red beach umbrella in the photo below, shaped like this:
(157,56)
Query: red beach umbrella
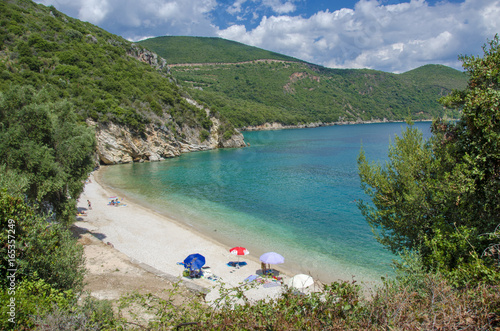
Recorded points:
(239,251)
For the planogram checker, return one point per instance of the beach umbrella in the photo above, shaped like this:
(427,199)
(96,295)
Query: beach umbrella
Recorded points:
(239,251)
(194,261)
(301,281)
(272,258)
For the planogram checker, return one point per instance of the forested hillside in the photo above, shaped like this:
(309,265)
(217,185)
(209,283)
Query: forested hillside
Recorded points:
(63,84)
(293,92)
(97,70)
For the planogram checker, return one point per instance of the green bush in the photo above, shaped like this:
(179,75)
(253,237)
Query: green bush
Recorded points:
(29,299)
(36,41)
(38,248)
(73,34)
(43,139)
(204,134)
(413,301)
(68,71)
(228,134)
(36,305)
(91,314)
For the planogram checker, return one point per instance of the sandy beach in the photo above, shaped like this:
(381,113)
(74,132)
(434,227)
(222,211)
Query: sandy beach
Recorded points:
(158,243)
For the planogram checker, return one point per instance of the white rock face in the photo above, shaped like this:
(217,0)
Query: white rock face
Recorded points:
(117,144)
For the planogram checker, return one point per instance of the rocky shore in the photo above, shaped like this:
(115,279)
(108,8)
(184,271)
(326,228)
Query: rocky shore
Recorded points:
(280,126)
(117,144)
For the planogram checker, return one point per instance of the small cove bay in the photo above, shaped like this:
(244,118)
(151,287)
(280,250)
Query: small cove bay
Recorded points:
(294,192)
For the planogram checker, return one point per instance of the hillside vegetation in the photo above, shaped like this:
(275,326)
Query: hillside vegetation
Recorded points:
(250,92)
(208,50)
(97,71)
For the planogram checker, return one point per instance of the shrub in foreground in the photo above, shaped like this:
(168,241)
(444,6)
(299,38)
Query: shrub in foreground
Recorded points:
(37,247)
(420,302)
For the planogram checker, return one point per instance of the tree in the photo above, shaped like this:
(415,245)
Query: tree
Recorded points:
(42,140)
(474,142)
(400,195)
(438,197)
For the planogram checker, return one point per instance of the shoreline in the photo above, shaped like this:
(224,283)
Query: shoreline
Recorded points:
(152,239)
(216,241)
(293,265)
(279,126)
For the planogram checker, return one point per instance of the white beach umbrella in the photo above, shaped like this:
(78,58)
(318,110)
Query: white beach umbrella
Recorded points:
(272,258)
(301,281)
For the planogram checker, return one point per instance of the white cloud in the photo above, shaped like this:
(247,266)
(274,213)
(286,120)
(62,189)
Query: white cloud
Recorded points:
(280,7)
(235,8)
(490,14)
(392,38)
(93,11)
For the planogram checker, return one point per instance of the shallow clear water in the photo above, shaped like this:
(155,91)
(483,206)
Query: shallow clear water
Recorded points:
(292,191)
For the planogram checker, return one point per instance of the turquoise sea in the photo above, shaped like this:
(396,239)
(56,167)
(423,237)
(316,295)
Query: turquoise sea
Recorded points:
(294,192)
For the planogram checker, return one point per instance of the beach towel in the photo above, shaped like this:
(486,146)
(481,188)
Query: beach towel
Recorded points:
(236,264)
(251,278)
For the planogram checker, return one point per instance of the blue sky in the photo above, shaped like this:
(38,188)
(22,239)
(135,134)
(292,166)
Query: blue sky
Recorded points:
(389,35)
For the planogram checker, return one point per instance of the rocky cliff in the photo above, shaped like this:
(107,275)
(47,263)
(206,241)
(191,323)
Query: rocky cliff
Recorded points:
(148,57)
(118,144)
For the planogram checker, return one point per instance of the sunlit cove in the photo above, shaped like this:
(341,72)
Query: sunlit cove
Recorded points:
(294,192)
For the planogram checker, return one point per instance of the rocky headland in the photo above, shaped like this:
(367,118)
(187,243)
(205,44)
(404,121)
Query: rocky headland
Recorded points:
(162,138)
(118,144)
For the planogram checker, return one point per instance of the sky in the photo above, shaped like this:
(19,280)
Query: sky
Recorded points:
(388,35)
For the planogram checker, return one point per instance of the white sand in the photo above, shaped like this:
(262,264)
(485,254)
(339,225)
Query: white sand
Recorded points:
(155,240)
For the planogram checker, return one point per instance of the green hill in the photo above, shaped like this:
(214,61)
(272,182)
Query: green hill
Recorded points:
(203,50)
(437,75)
(252,92)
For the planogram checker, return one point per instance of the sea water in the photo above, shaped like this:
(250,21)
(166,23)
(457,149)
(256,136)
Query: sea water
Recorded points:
(294,192)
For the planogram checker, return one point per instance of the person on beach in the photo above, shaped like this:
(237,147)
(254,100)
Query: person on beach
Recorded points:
(263,268)
(89,204)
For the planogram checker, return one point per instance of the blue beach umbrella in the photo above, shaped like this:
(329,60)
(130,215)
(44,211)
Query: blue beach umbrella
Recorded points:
(194,261)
